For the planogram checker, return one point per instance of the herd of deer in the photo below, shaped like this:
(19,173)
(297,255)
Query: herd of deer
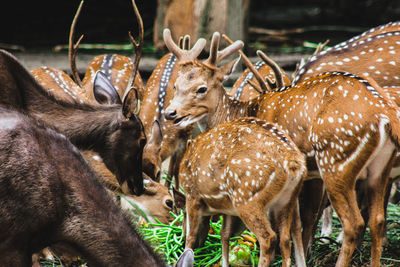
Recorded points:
(67,145)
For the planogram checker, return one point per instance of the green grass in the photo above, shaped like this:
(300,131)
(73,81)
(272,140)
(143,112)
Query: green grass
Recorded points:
(168,240)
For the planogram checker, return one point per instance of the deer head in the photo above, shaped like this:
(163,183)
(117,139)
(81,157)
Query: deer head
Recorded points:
(193,100)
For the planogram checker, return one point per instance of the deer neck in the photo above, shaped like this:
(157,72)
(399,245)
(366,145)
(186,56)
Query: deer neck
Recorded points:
(85,126)
(228,109)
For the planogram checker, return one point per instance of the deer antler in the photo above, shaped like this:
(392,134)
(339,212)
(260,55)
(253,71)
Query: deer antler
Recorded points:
(180,53)
(264,86)
(73,48)
(138,46)
(320,47)
(277,71)
(216,56)
(186,42)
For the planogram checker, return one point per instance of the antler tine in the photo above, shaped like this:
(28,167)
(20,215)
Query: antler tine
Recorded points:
(73,48)
(138,46)
(257,87)
(213,57)
(180,42)
(278,73)
(264,86)
(171,45)
(186,42)
(320,47)
(180,53)
(196,49)
(229,50)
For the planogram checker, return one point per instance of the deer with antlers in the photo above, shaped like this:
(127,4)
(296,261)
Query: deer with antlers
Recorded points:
(223,172)
(347,144)
(157,95)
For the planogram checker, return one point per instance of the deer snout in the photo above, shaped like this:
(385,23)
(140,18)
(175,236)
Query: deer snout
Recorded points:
(170,114)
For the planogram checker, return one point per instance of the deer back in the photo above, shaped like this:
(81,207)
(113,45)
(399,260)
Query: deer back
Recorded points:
(224,168)
(60,85)
(51,195)
(118,70)
(371,54)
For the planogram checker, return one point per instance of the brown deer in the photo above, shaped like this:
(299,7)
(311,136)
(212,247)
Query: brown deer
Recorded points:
(319,114)
(223,172)
(50,195)
(113,131)
(157,95)
(371,54)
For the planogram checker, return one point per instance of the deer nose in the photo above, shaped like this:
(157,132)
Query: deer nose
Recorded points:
(170,114)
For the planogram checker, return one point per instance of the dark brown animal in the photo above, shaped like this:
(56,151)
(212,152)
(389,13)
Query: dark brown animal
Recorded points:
(113,131)
(48,194)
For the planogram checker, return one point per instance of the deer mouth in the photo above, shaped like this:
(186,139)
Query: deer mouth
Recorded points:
(187,120)
(180,120)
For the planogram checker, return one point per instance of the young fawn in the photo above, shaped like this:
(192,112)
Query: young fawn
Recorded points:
(251,169)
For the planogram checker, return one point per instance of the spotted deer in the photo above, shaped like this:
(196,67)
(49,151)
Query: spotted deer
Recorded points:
(345,123)
(157,95)
(372,54)
(223,172)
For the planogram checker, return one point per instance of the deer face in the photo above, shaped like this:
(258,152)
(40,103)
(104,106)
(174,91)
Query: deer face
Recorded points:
(125,154)
(197,92)
(191,97)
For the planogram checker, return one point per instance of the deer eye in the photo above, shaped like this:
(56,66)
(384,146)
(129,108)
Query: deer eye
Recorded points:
(201,90)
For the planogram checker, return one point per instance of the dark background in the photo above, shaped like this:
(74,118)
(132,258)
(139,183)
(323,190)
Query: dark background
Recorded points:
(45,23)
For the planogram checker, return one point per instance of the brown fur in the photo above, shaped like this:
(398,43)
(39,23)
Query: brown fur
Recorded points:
(105,129)
(223,172)
(366,54)
(333,109)
(49,195)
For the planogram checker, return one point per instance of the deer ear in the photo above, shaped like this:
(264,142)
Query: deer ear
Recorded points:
(186,259)
(131,103)
(229,68)
(156,134)
(179,199)
(103,90)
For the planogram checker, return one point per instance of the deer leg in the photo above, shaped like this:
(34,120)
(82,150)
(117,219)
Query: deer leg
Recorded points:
(311,204)
(193,219)
(257,222)
(297,238)
(344,201)
(226,232)
(377,185)
(326,228)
